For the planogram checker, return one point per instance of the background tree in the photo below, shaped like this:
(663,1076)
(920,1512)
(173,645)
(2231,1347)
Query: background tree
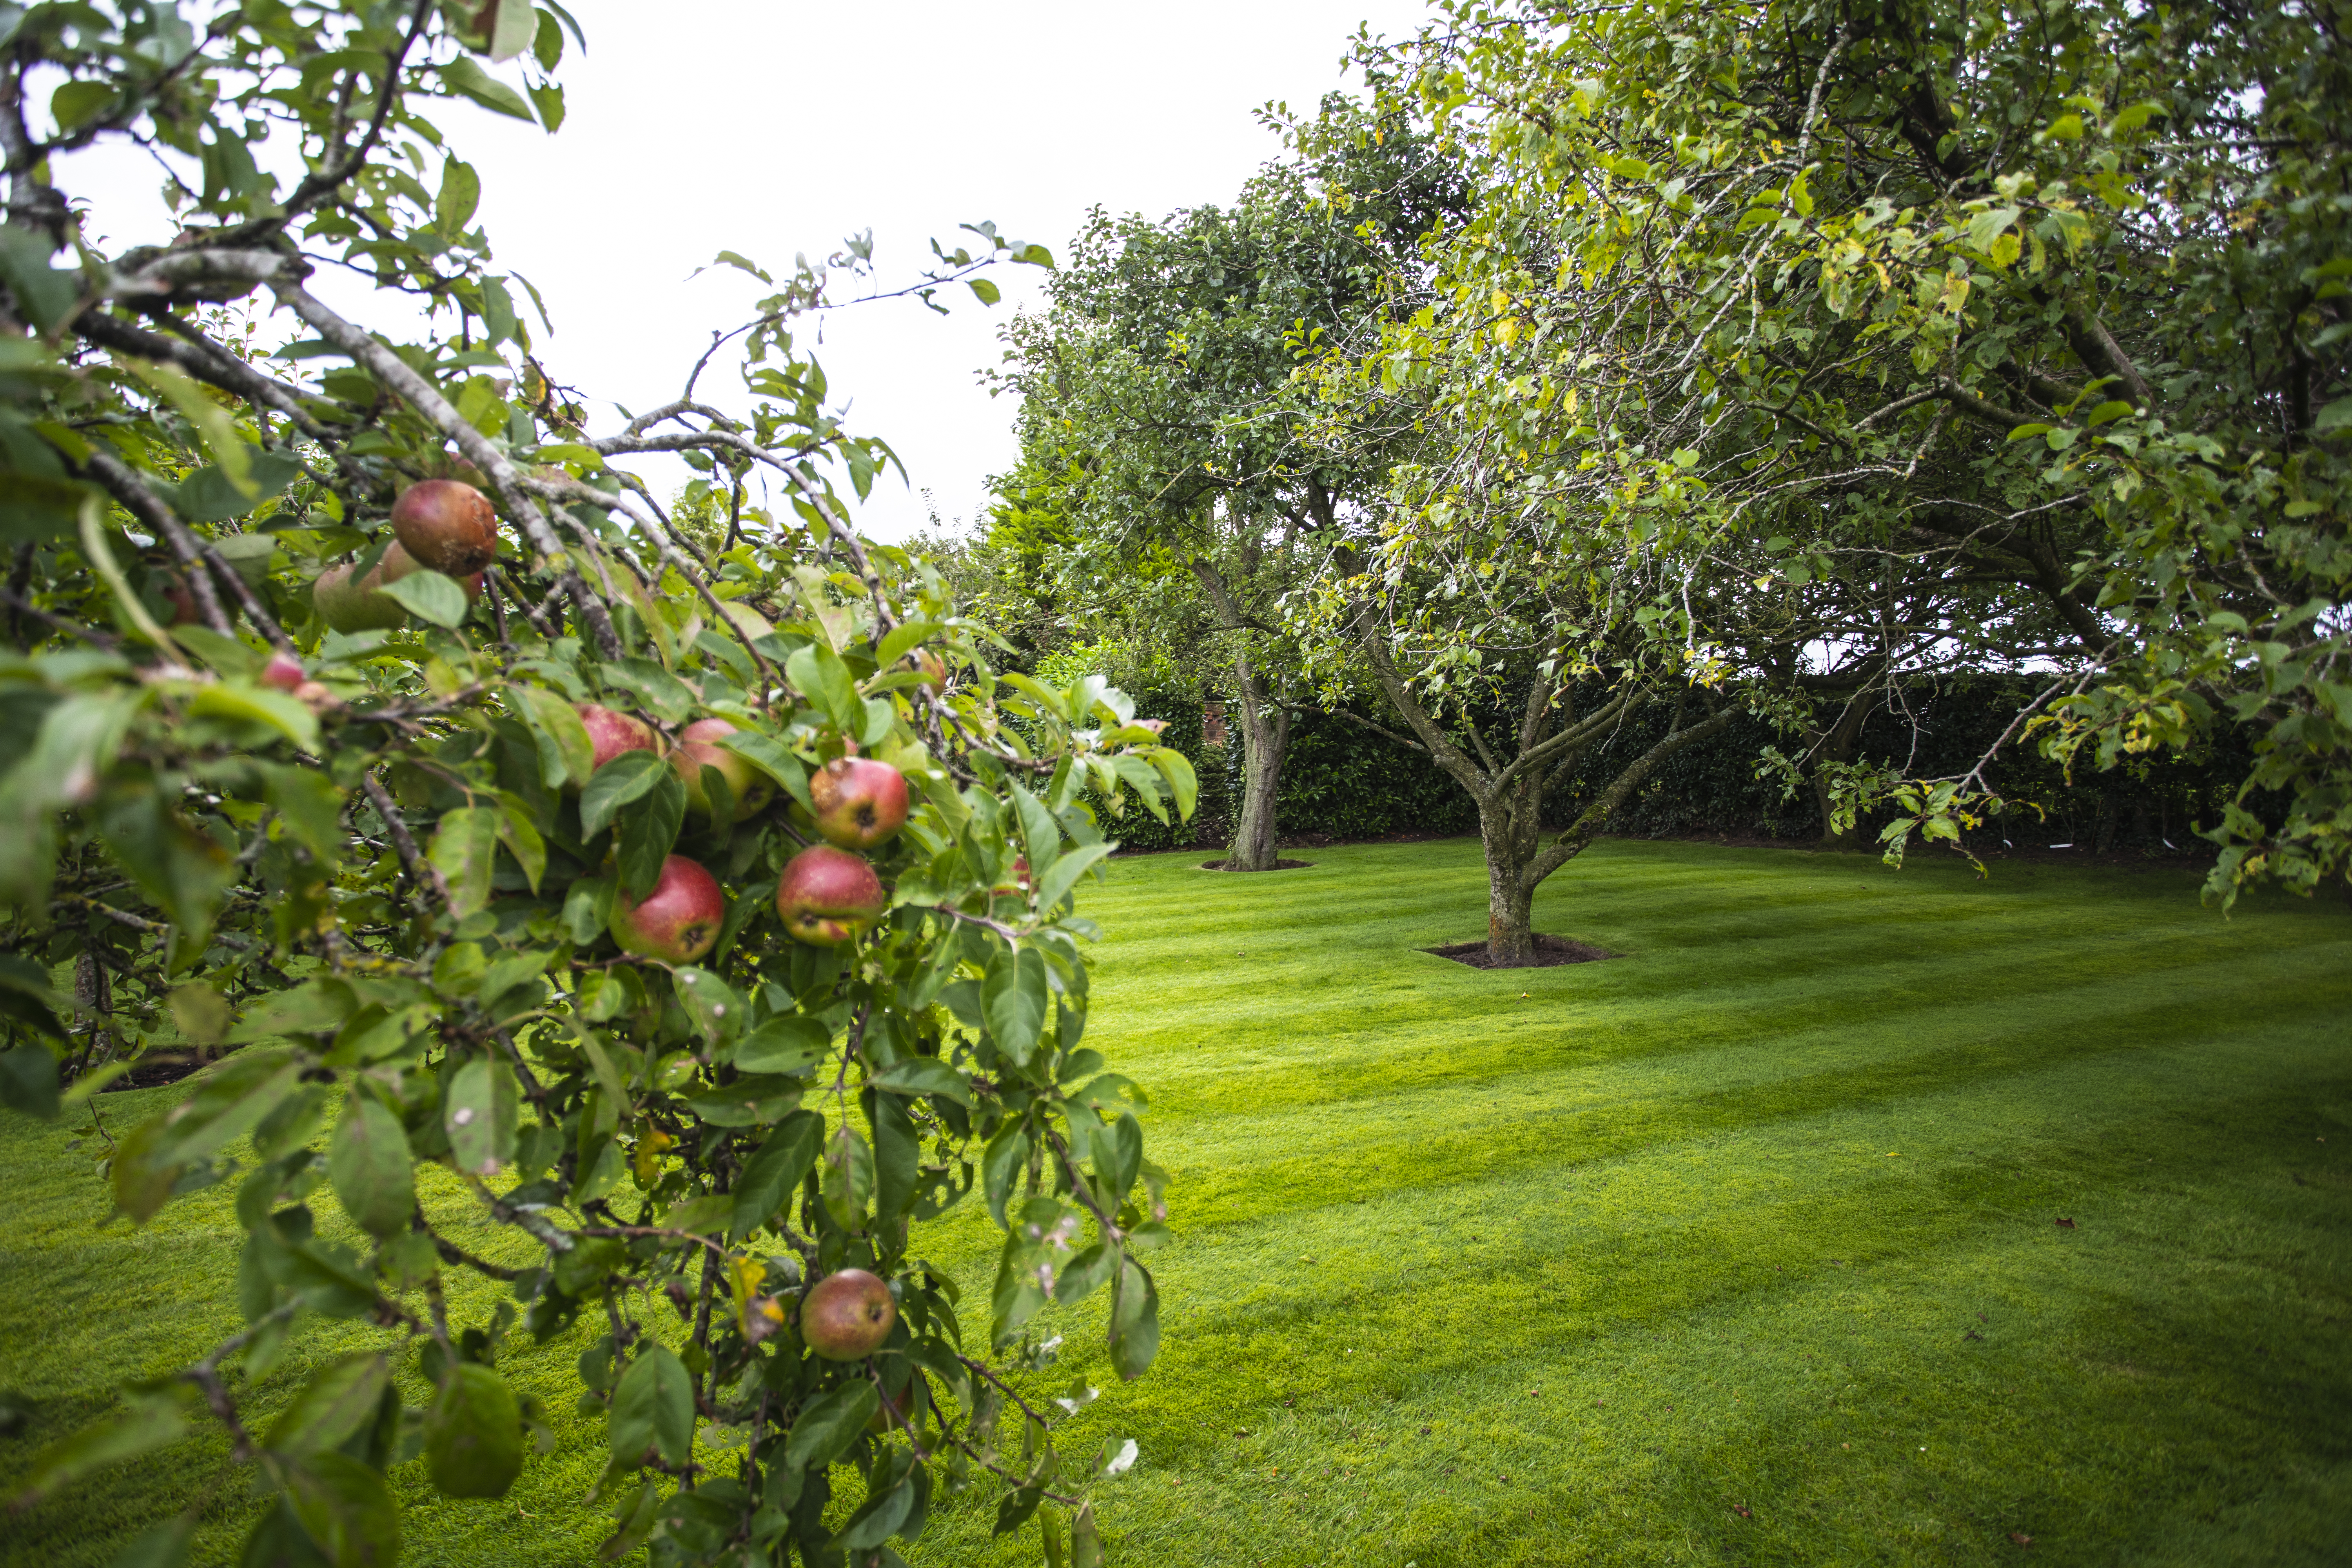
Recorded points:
(1161,406)
(495,884)
(2046,302)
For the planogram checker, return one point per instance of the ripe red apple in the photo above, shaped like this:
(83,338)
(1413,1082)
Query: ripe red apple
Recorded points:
(860,802)
(698,748)
(677,921)
(848,1315)
(829,895)
(283,672)
(610,733)
(446,524)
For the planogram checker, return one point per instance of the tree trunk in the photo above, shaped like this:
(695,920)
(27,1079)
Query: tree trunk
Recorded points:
(1265,737)
(1510,912)
(1511,828)
(1840,746)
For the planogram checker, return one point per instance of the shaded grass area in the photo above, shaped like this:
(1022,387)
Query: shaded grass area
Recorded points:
(1740,1248)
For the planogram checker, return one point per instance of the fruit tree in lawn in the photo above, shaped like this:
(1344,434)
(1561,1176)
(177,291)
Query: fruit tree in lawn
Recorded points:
(471,815)
(2023,327)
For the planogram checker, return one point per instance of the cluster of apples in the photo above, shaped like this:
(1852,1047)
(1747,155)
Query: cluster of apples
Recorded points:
(828,894)
(446,525)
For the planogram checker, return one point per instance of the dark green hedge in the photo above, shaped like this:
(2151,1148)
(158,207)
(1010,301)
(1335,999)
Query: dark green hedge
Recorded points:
(1343,782)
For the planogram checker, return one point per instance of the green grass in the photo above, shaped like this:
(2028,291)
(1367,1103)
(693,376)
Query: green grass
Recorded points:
(1761,1215)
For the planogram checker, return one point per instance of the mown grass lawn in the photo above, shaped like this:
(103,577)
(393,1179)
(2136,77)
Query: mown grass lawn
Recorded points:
(1741,1248)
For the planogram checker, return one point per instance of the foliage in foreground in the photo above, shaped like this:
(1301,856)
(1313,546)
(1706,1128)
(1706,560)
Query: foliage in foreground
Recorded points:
(511,863)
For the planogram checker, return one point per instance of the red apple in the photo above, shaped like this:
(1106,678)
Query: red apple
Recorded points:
(848,1315)
(1019,883)
(283,672)
(677,921)
(698,748)
(829,895)
(860,802)
(446,524)
(610,733)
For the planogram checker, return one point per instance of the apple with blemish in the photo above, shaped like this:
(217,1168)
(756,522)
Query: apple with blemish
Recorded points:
(698,748)
(859,802)
(446,524)
(848,1315)
(678,919)
(828,897)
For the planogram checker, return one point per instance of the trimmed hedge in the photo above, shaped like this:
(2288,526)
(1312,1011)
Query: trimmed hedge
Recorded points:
(1343,782)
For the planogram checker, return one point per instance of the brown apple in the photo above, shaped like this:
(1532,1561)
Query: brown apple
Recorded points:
(677,921)
(829,895)
(611,732)
(848,1315)
(860,802)
(182,600)
(446,524)
(698,748)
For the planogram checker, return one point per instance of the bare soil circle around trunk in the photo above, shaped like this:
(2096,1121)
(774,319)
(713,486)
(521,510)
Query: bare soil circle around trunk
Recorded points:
(1277,865)
(1549,950)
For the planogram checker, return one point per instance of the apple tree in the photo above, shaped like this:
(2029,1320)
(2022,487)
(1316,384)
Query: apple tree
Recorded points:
(698,912)
(2038,310)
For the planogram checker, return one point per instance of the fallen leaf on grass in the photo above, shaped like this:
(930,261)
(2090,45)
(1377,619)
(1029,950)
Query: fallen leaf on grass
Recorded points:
(1972,1334)
(1744,1513)
(2065,1225)
(2021,1538)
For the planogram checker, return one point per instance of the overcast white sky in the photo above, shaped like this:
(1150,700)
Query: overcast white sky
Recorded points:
(770,128)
